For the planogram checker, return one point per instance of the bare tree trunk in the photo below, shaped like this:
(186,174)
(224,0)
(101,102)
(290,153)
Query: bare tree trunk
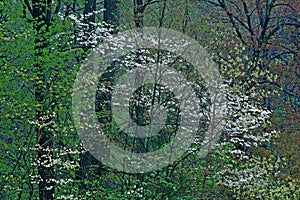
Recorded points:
(138,14)
(111,13)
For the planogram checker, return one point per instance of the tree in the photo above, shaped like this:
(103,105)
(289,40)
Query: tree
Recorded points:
(270,30)
(111,15)
(255,43)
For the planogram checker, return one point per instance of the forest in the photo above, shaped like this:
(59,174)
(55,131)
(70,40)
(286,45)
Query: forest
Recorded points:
(149,99)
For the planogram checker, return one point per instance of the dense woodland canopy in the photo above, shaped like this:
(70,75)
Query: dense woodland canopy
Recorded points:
(255,44)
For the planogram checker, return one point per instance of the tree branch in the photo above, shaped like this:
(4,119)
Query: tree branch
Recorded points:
(29,7)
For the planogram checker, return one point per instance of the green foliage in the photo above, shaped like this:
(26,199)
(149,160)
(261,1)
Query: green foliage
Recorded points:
(257,158)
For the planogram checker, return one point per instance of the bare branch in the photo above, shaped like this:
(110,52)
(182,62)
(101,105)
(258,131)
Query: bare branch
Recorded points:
(29,7)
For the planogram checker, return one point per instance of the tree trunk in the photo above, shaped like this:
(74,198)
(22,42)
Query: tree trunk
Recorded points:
(111,13)
(44,137)
(138,14)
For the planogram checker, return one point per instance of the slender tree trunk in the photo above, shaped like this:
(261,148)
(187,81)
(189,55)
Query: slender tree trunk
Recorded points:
(111,13)
(110,17)
(44,138)
(138,14)
(139,23)
(89,19)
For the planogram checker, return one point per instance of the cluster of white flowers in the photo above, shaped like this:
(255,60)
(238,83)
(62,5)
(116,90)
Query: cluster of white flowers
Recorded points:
(66,197)
(245,129)
(244,118)
(44,120)
(135,192)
